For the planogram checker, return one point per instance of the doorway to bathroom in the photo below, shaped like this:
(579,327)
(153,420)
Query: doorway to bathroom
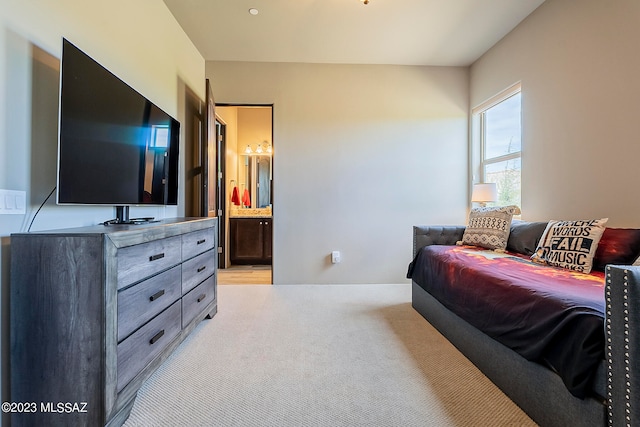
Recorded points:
(245,187)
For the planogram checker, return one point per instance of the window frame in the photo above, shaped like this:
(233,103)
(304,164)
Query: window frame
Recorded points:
(479,124)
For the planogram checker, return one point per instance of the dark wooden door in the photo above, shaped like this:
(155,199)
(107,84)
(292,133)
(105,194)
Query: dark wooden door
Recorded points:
(250,241)
(221,190)
(247,242)
(267,232)
(193,147)
(210,158)
(200,155)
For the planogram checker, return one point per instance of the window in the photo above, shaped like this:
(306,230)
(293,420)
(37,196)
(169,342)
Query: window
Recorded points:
(159,136)
(500,136)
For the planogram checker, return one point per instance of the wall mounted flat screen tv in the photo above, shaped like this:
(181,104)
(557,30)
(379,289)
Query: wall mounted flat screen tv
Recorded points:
(115,147)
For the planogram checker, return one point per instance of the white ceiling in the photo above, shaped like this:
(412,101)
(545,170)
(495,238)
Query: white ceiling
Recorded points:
(407,32)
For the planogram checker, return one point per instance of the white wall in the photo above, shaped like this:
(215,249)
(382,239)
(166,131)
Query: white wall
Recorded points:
(361,154)
(139,41)
(579,67)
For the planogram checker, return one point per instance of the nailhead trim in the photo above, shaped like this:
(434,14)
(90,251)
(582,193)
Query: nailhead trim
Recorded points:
(609,348)
(625,303)
(626,354)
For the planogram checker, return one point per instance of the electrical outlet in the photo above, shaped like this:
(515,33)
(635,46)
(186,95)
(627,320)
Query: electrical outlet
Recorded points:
(335,257)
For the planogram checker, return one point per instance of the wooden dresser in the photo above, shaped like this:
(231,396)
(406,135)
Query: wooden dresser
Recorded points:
(95,310)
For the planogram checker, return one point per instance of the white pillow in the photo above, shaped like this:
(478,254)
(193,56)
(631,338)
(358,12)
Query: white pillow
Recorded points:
(570,244)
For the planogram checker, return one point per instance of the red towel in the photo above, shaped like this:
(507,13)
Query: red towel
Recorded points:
(235,198)
(246,199)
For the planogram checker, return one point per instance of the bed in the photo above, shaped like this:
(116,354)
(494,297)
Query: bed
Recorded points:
(545,374)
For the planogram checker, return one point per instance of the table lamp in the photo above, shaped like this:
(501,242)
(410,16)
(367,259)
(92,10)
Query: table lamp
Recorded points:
(484,192)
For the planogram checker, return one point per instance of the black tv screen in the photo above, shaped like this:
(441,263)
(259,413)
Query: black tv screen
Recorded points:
(115,147)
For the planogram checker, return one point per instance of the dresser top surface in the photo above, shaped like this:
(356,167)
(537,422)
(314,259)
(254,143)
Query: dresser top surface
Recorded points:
(125,228)
(127,234)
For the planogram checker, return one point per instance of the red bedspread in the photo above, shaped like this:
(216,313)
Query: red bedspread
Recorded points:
(550,315)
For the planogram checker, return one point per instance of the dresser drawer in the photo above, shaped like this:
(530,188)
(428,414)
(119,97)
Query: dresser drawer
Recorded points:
(140,261)
(197,269)
(135,352)
(196,242)
(141,302)
(197,300)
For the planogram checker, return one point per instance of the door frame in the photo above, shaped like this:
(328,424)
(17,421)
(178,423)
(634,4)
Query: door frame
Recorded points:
(221,186)
(222,199)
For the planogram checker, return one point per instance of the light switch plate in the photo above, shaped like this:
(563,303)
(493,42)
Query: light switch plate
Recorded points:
(13,202)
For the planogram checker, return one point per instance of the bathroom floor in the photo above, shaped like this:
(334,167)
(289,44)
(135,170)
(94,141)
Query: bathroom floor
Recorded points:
(245,275)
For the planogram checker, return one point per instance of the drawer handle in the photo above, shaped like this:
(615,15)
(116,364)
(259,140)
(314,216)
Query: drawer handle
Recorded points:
(201,269)
(202,297)
(156,256)
(156,295)
(201,241)
(156,337)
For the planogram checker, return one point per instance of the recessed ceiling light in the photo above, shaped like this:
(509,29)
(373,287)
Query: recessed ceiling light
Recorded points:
(253,11)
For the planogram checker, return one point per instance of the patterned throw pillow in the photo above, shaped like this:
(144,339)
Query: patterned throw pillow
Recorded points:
(489,227)
(570,244)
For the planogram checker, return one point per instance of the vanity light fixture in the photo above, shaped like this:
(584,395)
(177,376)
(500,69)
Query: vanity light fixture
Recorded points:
(260,149)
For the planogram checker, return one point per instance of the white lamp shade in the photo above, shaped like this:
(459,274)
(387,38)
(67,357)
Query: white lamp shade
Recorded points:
(484,192)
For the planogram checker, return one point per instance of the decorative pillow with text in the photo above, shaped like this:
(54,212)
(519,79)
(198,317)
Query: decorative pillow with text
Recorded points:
(489,227)
(570,244)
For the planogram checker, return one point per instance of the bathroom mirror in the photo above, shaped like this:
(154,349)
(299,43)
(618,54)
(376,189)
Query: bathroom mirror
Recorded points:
(263,181)
(256,176)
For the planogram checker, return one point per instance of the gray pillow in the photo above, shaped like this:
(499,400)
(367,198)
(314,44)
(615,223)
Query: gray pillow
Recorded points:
(525,236)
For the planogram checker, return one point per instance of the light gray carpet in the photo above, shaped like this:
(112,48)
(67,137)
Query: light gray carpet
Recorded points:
(323,355)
